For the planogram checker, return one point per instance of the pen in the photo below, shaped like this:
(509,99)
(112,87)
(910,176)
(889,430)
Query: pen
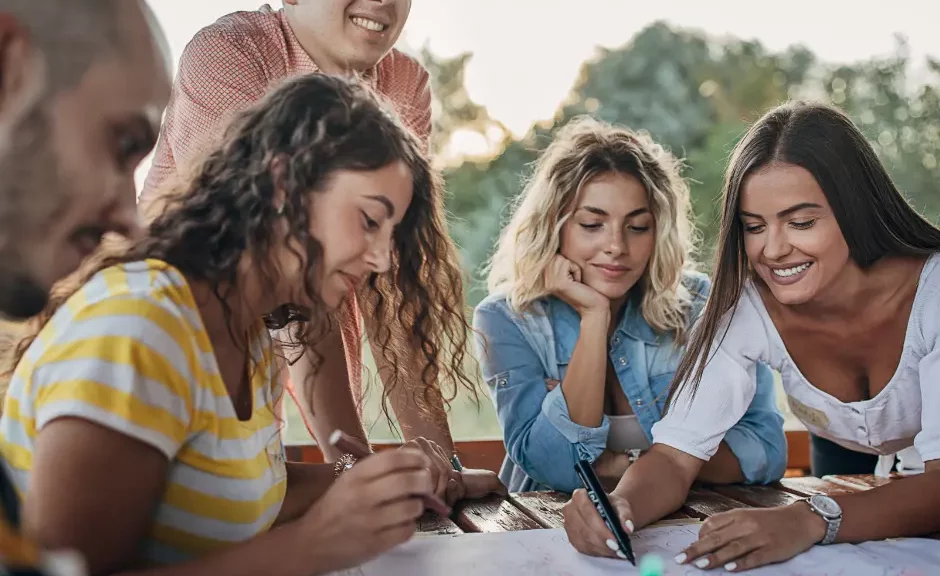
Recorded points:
(346,443)
(597,495)
(455,462)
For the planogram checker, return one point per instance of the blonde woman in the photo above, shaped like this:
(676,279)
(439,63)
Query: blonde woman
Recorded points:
(591,296)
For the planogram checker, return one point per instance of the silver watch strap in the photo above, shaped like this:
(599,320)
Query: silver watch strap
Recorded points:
(832,528)
(832,524)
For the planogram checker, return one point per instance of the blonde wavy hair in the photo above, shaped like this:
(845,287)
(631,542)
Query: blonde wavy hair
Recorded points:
(582,150)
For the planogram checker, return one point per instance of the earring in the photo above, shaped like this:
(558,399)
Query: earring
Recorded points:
(280,210)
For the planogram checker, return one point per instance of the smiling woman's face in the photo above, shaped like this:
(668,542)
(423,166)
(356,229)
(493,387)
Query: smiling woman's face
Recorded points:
(791,236)
(353,218)
(611,234)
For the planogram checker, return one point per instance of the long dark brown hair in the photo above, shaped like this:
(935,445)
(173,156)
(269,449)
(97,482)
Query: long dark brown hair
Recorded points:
(312,126)
(872,214)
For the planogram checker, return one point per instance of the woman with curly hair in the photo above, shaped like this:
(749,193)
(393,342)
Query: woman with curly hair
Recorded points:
(591,296)
(150,388)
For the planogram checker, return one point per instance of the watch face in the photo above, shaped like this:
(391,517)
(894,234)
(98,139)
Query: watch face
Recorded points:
(826,505)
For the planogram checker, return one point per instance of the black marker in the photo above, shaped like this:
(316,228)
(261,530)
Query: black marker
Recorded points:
(597,495)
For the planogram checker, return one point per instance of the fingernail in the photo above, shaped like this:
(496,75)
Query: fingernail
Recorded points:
(680,559)
(702,563)
(731,566)
(621,555)
(629,525)
(613,545)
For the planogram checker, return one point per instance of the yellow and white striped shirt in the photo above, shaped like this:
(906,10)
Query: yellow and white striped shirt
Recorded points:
(129,351)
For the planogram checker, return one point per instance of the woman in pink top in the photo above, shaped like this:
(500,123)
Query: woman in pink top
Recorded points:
(233,63)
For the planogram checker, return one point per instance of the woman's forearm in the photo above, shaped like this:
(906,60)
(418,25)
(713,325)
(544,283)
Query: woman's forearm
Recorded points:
(583,386)
(723,468)
(658,483)
(285,551)
(906,507)
(306,483)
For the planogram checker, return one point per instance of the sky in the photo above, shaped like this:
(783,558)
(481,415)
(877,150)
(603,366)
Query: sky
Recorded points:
(527,53)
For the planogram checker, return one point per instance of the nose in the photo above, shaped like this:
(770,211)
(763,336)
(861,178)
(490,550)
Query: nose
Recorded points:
(616,243)
(379,255)
(777,245)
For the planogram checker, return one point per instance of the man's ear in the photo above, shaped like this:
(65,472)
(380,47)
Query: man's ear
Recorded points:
(22,75)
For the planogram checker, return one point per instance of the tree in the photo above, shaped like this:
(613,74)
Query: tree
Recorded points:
(697,95)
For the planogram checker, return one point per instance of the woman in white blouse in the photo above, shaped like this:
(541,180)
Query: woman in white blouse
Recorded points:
(827,274)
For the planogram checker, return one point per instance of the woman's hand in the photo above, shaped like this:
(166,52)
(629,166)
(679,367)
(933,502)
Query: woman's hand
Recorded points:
(452,485)
(744,539)
(563,279)
(473,483)
(371,508)
(439,464)
(587,531)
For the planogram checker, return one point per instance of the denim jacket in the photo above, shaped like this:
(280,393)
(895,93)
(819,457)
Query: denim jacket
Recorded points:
(519,352)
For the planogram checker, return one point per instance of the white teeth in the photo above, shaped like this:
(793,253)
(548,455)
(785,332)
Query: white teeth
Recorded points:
(369,24)
(791,271)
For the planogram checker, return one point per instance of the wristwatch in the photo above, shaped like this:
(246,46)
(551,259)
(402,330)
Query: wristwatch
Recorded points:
(830,511)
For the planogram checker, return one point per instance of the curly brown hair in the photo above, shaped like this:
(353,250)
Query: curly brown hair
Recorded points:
(313,125)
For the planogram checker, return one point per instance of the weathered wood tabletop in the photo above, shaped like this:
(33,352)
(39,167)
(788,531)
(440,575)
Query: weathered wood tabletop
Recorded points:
(536,510)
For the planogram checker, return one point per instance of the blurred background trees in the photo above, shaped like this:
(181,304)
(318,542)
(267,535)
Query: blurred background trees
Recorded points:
(696,95)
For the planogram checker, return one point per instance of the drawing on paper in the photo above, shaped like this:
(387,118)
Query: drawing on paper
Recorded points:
(548,553)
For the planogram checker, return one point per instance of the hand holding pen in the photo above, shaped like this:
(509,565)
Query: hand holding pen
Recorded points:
(596,523)
(370,508)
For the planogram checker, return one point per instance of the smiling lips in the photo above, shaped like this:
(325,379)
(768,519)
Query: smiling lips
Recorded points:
(789,273)
(369,24)
(612,271)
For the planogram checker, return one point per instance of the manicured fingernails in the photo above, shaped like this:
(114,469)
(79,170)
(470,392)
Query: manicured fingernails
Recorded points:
(680,559)
(629,526)
(731,566)
(621,555)
(613,545)
(702,563)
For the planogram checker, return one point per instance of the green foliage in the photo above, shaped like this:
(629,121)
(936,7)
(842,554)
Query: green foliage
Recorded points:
(695,95)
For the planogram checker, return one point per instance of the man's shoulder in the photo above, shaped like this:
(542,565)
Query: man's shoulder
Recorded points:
(236,36)
(398,70)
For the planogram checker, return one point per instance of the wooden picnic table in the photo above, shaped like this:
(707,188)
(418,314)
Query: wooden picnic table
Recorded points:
(537,510)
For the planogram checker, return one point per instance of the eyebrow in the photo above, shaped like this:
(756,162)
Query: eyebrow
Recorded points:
(786,211)
(602,212)
(389,208)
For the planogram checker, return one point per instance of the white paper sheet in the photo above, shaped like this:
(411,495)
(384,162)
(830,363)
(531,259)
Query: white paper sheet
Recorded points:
(548,553)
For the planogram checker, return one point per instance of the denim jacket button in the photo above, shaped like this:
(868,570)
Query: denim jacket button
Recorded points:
(623,361)
(639,402)
(502,382)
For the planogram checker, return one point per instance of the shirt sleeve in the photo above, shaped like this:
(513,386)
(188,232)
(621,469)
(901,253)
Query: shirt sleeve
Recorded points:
(927,441)
(218,75)
(420,121)
(119,363)
(405,87)
(537,430)
(697,423)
